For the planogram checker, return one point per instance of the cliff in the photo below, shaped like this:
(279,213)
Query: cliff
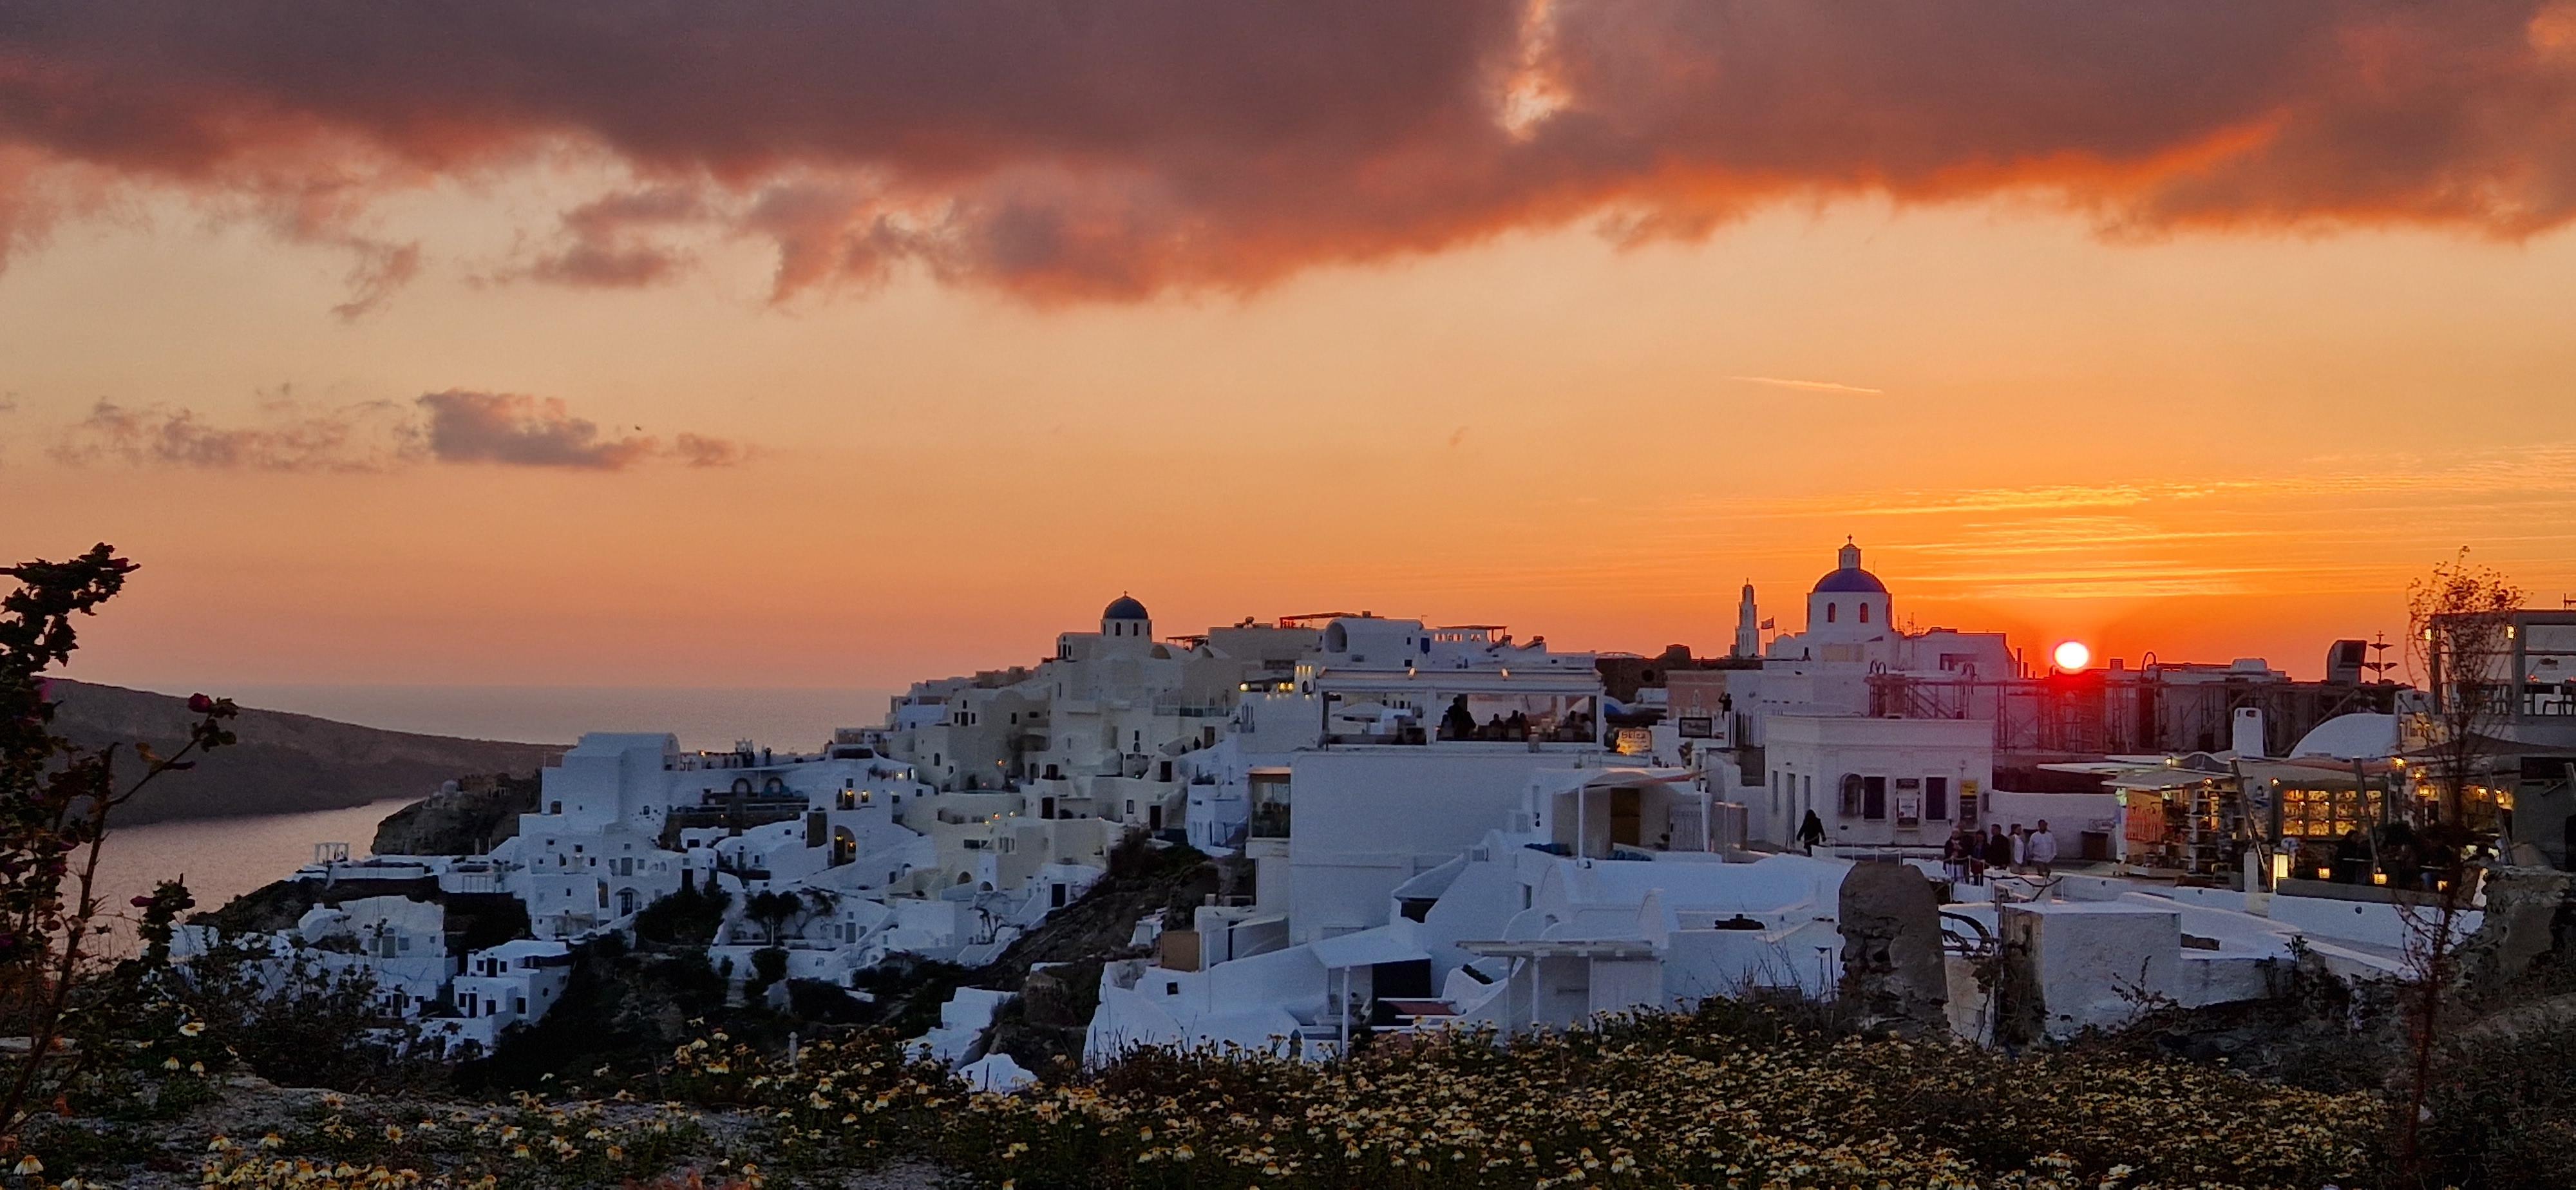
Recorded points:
(466,820)
(284,763)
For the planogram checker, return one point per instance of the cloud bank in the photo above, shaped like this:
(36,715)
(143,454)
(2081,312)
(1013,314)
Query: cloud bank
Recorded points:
(1116,151)
(455,426)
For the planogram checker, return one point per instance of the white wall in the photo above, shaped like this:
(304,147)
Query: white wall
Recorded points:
(1823,749)
(1368,820)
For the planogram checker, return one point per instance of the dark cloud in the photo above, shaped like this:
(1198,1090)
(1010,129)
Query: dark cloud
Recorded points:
(607,242)
(365,437)
(455,426)
(512,428)
(1086,151)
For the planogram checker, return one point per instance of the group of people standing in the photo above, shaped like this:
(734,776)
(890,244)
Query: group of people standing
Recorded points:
(1969,856)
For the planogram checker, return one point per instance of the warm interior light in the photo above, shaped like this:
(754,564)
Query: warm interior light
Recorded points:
(2072,655)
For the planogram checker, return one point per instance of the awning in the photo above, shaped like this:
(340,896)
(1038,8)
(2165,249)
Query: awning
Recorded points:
(1564,948)
(1368,948)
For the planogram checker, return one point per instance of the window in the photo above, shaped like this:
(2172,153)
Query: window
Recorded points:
(1830,609)
(1850,806)
(1864,611)
(555,808)
(1873,797)
(1808,785)
(1171,987)
(1936,797)
(1775,791)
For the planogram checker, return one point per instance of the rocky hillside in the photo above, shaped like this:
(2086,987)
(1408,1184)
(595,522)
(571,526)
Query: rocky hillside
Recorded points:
(467,820)
(285,763)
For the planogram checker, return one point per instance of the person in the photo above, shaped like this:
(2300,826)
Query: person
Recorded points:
(1458,723)
(2352,858)
(1811,832)
(2020,848)
(1954,857)
(1999,850)
(2043,849)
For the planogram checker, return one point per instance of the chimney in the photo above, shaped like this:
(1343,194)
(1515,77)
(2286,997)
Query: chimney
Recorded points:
(2248,739)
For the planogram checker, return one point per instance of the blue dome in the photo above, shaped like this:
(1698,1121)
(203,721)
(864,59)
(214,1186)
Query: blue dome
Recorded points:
(1854,581)
(1124,607)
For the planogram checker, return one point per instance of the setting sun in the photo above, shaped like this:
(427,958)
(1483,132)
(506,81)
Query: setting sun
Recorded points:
(2072,655)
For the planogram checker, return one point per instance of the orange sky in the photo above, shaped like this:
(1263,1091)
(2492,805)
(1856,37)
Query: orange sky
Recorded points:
(2040,410)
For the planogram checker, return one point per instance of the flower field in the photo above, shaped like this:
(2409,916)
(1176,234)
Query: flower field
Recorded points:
(1654,1101)
(1729,1097)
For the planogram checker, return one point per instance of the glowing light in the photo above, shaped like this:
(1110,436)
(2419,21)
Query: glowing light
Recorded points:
(2072,655)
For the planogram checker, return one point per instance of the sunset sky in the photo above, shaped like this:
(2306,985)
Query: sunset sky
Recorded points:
(837,345)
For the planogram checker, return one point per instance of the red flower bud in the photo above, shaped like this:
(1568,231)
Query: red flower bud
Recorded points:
(200,704)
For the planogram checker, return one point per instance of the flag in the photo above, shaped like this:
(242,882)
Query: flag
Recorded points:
(1767,625)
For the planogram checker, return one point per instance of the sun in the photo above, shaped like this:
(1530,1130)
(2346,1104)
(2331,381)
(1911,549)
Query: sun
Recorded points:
(2072,655)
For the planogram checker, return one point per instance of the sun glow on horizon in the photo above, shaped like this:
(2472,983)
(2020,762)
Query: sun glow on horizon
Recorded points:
(2072,656)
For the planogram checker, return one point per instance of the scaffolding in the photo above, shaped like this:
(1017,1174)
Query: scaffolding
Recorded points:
(2123,712)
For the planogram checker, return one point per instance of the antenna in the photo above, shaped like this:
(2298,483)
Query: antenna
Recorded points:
(2379,664)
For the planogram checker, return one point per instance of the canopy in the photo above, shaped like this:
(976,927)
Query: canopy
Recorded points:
(1368,948)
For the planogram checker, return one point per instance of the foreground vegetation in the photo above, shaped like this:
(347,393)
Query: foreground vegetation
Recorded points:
(1730,1096)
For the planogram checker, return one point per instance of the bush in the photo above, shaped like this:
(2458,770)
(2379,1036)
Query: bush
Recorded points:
(689,917)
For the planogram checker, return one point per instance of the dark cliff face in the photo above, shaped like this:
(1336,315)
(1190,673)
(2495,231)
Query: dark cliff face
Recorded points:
(284,763)
(465,821)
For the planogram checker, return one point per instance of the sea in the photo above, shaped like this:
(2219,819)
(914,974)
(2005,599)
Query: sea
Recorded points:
(222,858)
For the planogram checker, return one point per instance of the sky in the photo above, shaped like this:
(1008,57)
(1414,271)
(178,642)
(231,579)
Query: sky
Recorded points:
(606,344)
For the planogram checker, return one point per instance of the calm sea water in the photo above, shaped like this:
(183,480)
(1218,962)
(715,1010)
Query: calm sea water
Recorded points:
(224,858)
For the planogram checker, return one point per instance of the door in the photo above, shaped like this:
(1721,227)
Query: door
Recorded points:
(1624,817)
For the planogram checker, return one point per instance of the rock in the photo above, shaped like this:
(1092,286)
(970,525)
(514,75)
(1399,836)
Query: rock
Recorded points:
(1893,973)
(463,818)
(2527,917)
(996,1073)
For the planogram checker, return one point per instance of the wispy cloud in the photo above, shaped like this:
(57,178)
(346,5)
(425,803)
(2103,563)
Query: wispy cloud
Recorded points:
(1812,386)
(454,426)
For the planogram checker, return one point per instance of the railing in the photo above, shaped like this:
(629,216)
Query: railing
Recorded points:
(1966,936)
(1571,733)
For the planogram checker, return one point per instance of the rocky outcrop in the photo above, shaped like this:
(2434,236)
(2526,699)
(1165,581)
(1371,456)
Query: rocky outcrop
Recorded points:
(1893,974)
(463,818)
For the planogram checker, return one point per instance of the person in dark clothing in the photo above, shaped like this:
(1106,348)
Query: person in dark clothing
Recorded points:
(1457,723)
(1811,833)
(1999,850)
(2352,859)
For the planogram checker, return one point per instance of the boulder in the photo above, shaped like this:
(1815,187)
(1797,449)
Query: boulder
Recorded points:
(1893,973)
(2527,917)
